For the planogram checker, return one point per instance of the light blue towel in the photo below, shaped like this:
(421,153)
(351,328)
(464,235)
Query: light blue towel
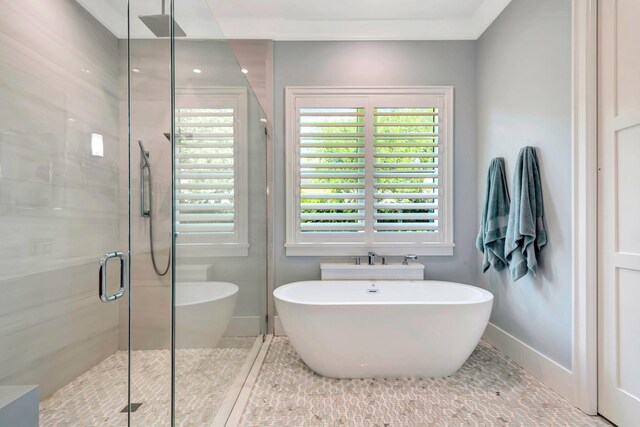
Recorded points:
(495,216)
(526,233)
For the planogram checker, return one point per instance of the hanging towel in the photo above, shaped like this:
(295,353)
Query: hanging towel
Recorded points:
(495,215)
(526,233)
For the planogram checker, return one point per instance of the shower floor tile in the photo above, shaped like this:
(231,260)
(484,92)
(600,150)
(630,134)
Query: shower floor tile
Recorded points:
(489,390)
(203,377)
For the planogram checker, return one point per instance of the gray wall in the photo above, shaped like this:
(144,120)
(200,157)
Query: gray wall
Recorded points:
(524,98)
(58,204)
(378,64)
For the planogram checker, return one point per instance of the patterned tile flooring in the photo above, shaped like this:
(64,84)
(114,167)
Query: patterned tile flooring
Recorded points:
(203,377)
(489,390)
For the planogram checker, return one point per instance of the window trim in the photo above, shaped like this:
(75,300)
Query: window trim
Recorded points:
(443,247)
(237,243)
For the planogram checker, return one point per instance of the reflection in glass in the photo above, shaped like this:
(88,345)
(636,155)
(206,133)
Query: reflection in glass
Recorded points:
(220,199)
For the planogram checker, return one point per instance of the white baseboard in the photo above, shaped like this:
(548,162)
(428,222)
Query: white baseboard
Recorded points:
(556,377)
(243,326)
(278,329)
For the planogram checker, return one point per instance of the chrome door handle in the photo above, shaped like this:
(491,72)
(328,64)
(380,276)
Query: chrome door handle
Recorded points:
(102,276)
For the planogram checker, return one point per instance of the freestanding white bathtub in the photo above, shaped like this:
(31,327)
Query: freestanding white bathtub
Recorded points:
(203,312)
(383,329)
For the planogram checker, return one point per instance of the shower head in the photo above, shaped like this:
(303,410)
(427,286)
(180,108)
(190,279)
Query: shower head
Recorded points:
(183,135)
(144,155)
(160,25)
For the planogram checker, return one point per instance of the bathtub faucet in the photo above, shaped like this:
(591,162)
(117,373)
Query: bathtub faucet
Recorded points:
(372,258)
(409,257)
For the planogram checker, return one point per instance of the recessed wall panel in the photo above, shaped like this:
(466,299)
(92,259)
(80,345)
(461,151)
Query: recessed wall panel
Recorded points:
(629,332)
(628,190)
(627,58)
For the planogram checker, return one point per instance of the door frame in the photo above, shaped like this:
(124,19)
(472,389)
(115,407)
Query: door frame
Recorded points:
(585,203)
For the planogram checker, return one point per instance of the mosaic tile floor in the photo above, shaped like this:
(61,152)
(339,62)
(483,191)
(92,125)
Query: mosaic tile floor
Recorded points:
(489,390)
(96,397)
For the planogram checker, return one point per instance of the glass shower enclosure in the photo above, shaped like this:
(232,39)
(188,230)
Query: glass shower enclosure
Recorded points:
(133,210)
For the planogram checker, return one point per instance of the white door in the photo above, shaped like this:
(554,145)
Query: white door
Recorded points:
(619,201)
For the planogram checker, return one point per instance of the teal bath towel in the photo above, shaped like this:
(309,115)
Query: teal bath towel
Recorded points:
(526,233)
(495,216)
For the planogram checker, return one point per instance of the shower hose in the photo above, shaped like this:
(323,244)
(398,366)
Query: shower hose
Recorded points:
(153,254)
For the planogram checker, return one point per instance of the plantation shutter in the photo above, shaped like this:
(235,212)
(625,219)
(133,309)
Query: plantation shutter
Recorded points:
(406,170)
(369,169)
(205,170)
(332,170)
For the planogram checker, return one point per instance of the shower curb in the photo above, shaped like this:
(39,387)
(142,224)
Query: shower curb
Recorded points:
(239,404)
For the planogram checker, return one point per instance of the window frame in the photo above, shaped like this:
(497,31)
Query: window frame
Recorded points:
(331,96)
(237,242)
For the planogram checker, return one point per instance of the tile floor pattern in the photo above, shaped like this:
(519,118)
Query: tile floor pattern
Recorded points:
(96,397)
(489,390)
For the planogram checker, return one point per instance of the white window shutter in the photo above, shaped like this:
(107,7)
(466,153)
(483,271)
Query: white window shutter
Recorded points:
(331,169)
(406,169)
(369,169)
(205,170)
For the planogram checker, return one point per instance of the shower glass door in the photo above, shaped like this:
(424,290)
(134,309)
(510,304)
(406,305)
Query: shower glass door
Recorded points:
(220,201)
(149,312)
(84,316)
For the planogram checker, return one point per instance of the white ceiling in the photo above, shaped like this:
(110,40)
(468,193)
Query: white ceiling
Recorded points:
(310,19)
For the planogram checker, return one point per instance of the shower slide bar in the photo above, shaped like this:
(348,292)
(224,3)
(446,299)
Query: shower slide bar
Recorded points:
(144,178)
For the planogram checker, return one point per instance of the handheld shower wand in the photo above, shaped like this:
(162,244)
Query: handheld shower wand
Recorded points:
(146,181)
